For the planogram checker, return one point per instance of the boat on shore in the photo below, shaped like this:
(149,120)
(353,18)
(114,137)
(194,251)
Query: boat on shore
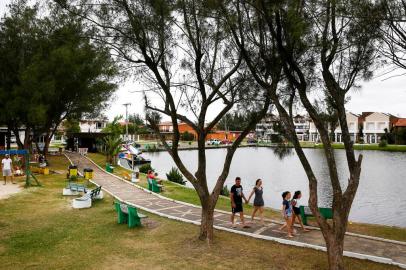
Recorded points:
(133,155)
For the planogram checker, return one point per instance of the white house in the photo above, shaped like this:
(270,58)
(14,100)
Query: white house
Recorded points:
(302,126)
(353,128)
(352,121)
(374,125)
(94,125)
(264,129)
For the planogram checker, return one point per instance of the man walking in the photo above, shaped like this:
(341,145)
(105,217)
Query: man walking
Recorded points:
(6,164)
(236,196)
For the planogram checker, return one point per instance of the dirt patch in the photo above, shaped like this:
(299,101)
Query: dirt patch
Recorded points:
(150,223)
(8,190)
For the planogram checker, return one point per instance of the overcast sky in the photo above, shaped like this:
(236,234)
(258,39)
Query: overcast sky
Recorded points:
(382,94)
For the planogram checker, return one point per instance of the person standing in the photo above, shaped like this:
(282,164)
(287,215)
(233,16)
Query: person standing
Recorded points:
(236,196)
(7,166)
(258,200)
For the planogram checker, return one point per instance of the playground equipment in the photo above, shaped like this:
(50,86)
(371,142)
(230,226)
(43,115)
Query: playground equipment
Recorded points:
(26,154)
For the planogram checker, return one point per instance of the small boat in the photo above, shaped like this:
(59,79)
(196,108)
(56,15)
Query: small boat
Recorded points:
(133,155)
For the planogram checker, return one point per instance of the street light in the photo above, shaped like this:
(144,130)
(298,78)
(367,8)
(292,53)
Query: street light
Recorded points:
(126,119)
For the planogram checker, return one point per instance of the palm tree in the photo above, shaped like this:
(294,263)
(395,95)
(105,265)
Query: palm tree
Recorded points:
(112,147)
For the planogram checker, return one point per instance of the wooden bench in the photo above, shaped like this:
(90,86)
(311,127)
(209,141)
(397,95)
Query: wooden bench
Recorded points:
(128,214)
(305,212)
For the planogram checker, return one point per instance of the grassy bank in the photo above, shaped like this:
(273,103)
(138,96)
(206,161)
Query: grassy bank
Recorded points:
(40,230)
(189,195)
(388,148)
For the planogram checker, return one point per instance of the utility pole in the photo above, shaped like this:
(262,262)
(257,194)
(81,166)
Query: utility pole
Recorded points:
(126,119)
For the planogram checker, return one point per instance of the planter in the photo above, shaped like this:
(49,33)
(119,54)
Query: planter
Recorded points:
(81,203)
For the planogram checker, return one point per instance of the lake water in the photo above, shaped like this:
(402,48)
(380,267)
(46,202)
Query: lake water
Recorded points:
(381,196)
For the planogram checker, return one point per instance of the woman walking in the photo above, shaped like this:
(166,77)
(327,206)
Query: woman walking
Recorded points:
(258,200)
(296,210)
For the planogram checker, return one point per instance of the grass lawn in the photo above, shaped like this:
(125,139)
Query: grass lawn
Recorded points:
(389,147)
(189,195)
(40,230)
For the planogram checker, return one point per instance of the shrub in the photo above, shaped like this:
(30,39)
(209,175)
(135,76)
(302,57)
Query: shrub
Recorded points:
(383,143)
(145,168)
(225,191)
(187,136)
(175,176)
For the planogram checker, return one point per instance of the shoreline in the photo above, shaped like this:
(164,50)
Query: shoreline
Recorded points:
(305,145)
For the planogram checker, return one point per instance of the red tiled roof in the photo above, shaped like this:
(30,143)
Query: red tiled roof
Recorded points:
(401,122)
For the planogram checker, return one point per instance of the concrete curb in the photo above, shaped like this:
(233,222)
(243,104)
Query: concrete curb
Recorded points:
(378,259)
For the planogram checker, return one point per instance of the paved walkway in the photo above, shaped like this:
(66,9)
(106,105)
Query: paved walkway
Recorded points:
(355,246)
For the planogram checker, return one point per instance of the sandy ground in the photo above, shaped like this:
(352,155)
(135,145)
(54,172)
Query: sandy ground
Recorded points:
(9,189)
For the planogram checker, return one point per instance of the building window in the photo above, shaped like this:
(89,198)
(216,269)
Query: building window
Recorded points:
(99,125)
(369,126)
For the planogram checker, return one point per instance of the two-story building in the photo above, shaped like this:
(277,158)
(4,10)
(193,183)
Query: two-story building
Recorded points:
(374,125)
(265,128)
(302,127)
(93,125)
(353,128)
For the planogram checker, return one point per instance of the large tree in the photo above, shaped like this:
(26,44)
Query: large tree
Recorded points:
(332,40)
(66,76)
(182,54)
(19,35)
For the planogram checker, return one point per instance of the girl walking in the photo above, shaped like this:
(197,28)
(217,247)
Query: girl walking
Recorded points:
(296,210)
(287,213)
(258,200)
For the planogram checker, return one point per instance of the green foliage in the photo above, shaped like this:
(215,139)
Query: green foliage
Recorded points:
(187,136)
(114,127)
(225,191)
(112,146)
(383,143)
(145,168)
(49,64)
(233,121)
(136,119)
(175,176)
(401,135)
(71,126)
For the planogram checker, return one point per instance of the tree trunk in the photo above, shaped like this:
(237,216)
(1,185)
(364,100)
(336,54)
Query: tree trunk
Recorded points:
(47,141)
(8,139)
(27,139)
(206,227)
(335,248)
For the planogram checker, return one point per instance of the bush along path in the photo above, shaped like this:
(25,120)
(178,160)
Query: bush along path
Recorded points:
(363,247)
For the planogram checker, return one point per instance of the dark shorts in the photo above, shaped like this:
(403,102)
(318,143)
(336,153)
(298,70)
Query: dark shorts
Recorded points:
(296,210)
(237,209)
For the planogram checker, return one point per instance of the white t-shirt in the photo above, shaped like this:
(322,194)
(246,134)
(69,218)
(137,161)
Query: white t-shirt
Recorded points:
(6,163)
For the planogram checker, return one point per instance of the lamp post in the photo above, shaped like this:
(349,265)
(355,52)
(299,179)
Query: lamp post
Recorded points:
(126,119)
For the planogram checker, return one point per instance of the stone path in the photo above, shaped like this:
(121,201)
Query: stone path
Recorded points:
(391,252)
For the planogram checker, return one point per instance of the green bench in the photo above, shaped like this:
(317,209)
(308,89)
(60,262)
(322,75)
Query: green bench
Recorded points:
(109,168)
(128,214)
(305,212)
(154,186)
(76,187)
